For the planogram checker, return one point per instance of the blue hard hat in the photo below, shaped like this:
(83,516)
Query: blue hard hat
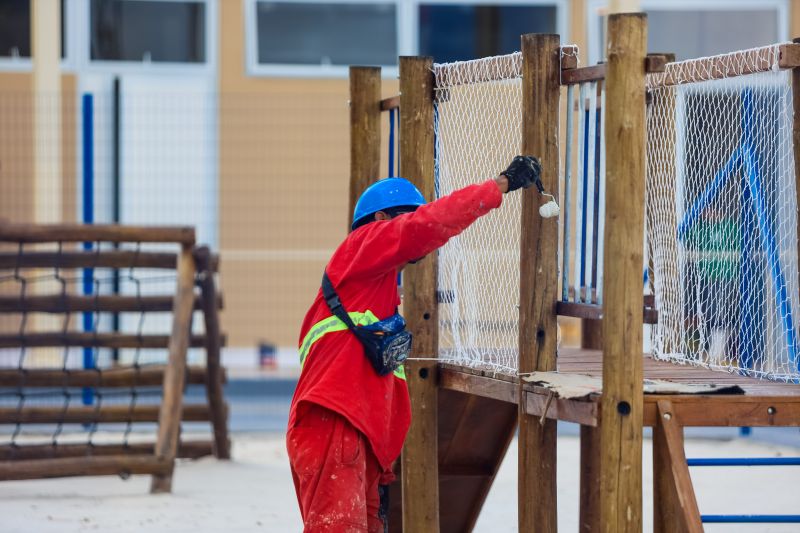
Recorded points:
(385,194)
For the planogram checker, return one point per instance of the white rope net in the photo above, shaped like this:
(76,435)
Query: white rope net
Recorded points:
(478,129)
(722,215)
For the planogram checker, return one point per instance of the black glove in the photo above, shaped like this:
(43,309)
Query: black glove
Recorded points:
(523,172)
(383,509)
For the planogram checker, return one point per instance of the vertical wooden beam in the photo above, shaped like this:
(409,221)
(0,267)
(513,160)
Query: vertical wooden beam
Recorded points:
(541,70)
(420,476)
(621,406)
(214,391)
(169,417)
(674,502)
(589,519)
(365,131)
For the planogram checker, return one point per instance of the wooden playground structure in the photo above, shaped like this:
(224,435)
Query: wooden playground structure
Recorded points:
(464,418)
(62,254)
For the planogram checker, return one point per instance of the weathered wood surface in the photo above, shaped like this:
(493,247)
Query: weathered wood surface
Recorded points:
(143,376)
(98,340)
(67,259)
(622,402)
(216,373)
(541,68)
(94,232)
(123,466)
(652,63)
(365,131)
(69,303)
(420,479)
(393,102)
(169,418)
(796,132)
(80,414)
(595,312)
(589,518)
(674,501)
(193,449)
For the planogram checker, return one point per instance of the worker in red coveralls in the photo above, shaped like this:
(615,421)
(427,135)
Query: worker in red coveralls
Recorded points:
(351,410)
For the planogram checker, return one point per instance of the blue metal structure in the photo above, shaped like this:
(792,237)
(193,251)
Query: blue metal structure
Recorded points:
(87,112)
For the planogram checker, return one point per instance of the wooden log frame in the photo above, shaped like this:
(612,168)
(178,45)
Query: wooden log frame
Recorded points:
(622,400)
(192,264)
(541,60)
(420,476)
(365,131)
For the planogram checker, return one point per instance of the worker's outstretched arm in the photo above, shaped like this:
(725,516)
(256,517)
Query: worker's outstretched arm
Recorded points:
(390,244)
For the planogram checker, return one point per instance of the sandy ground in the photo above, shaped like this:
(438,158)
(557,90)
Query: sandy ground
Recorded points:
(254,493)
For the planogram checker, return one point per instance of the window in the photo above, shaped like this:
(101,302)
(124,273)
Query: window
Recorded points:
(15,29)
(699,28)
(328,34)
(148,30)
(451,32)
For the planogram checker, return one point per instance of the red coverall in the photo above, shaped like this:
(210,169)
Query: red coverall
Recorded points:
(347,424)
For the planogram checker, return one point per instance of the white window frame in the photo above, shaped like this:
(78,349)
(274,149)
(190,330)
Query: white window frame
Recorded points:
(594,7)
(25,64)
(407,13)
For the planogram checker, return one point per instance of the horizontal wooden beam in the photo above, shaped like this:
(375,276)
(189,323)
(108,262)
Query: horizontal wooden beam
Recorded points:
(487,387)
(120,465)
(94,233)
(393,102)
(80,414)
(653,63)
(470,470)
(96,340)
(144,376)
(595,311)
(101,303)
(722,410)
(569,57)
(193,449)
(68,259)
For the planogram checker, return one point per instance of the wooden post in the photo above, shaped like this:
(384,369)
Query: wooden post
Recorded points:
(365,131)
(674,502)
(589,519)
(621,405)
(169,419)
(420,476)
(541,70)
(214,392)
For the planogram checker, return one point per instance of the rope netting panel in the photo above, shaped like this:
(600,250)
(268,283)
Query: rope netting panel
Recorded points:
(83,350)
(722,214)
(478,129)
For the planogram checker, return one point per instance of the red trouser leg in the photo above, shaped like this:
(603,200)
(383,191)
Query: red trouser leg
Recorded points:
(335,473)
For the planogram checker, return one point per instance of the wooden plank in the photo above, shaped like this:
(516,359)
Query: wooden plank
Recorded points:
(68,259)
(569,57)
(193,449)
(727,411)
(471,72)
(143,376)
(589,518)
(98,340)
(169,419)
(576,411)
(595,312)
(393,102)
(483,386)
(68,303)
(365,131)
(81,414)
(214,392)
(652,63)
(674,502)
(789,55)
(123,466)
(541,56)
(796,130)
(94,232)
(420,480)
(621,430)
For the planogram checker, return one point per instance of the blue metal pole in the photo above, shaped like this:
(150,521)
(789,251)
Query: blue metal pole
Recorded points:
(585,204)
(751,519)
(88,218)
(744,461)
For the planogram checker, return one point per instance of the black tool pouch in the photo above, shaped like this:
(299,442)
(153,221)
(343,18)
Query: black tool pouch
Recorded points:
(386,342)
